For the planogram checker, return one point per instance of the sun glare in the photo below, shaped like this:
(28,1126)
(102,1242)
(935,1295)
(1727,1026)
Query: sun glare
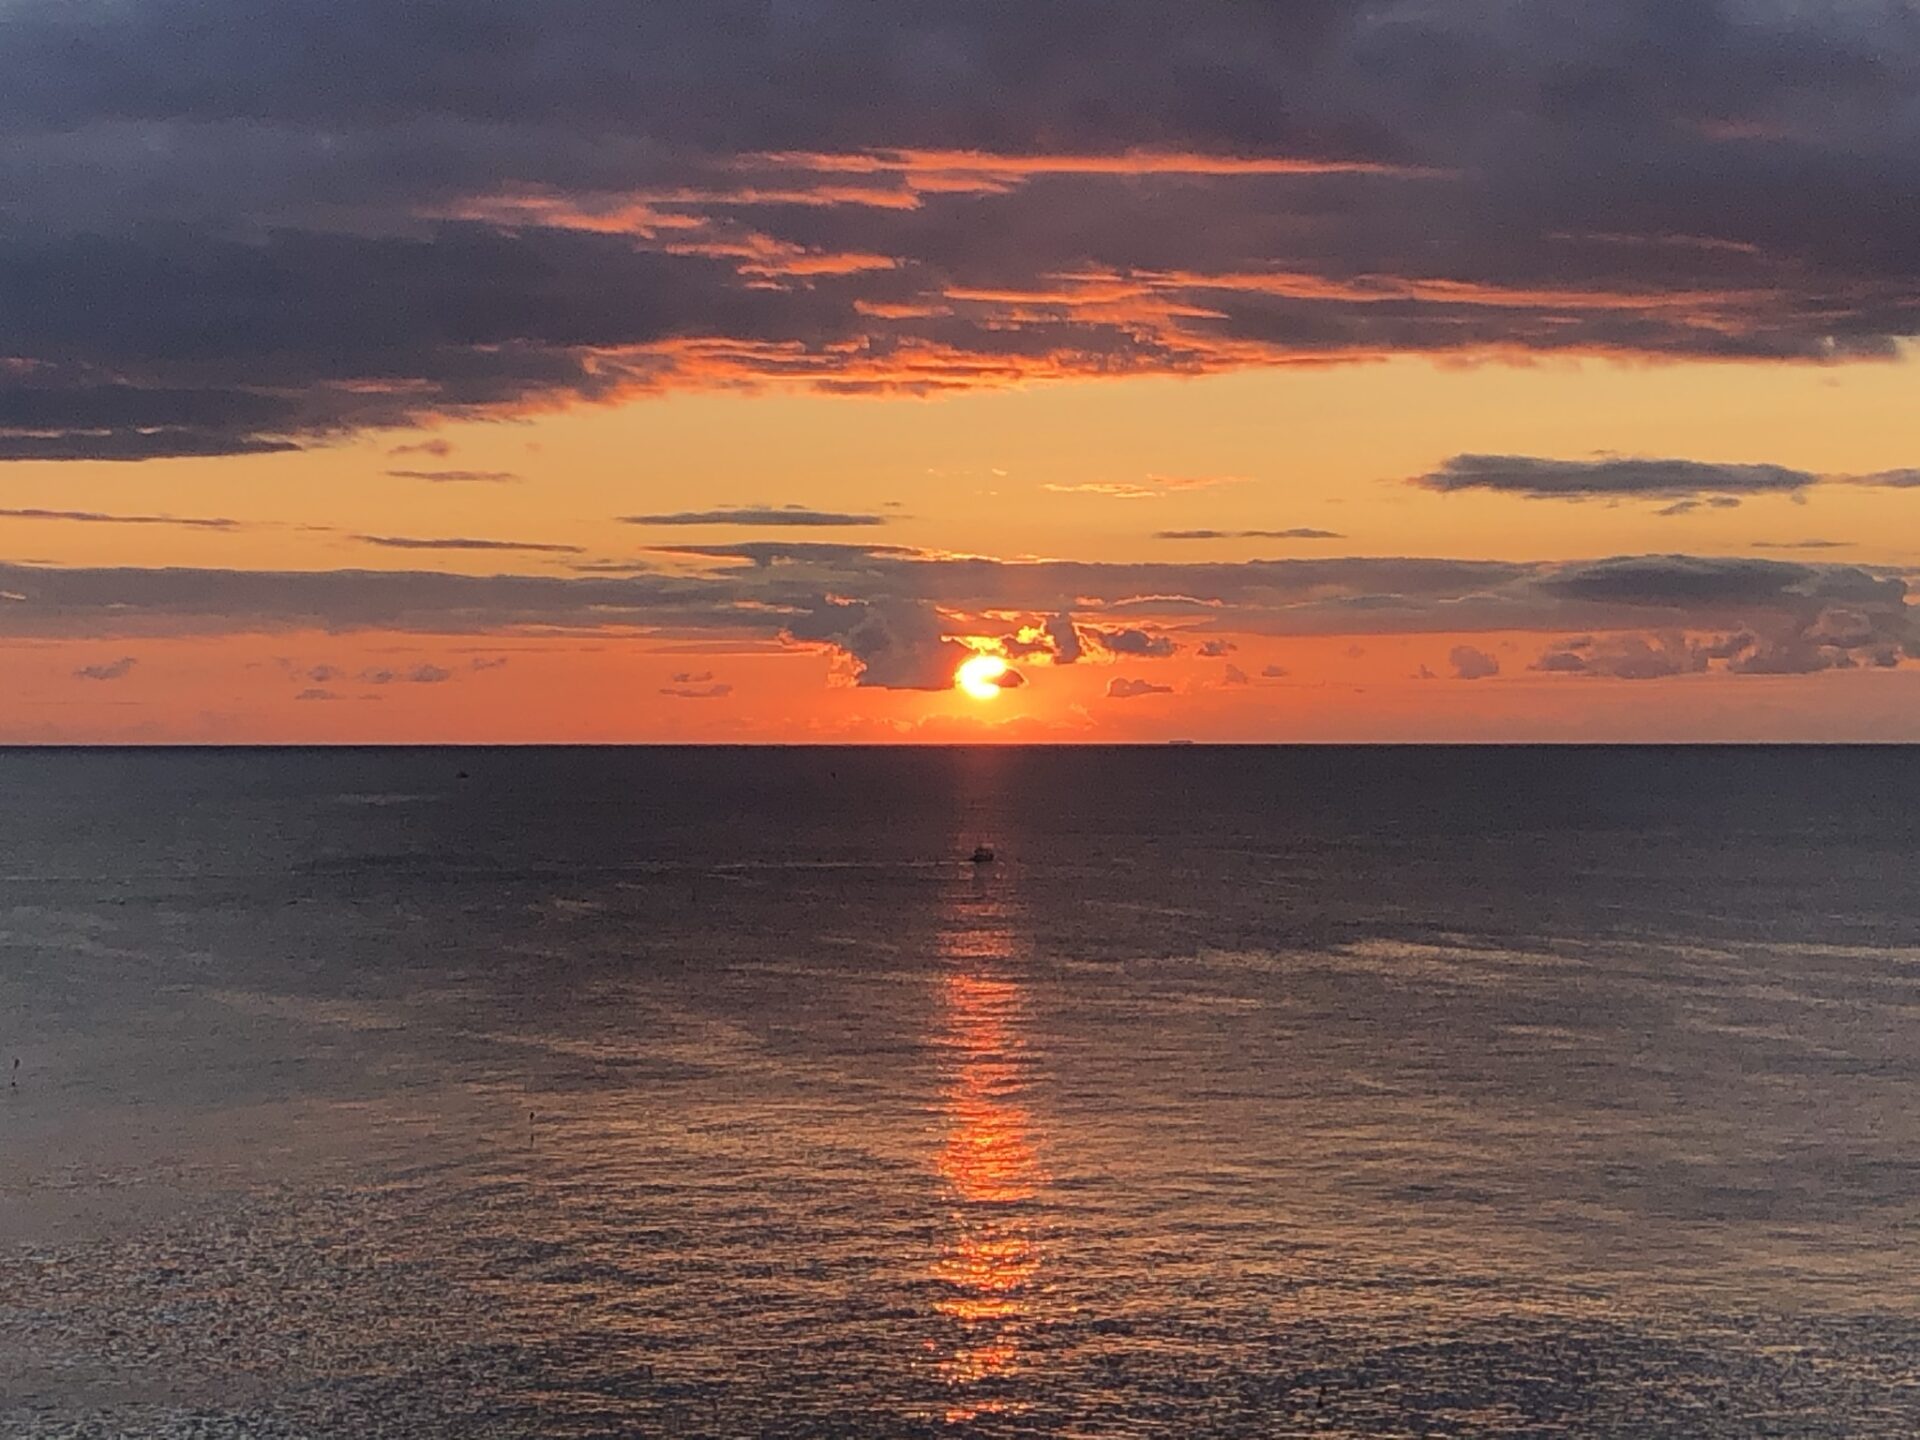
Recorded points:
(980,676)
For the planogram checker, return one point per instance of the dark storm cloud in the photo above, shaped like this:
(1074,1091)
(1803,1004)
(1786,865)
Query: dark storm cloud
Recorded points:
(718,74)
(334,331)
(55,406)
(798,516)
(233,228)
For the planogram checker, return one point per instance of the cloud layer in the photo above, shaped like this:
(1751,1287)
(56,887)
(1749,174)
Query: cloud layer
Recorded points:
(1298,532)
(1688,483)
(761,517)
(237,228)
(896,618)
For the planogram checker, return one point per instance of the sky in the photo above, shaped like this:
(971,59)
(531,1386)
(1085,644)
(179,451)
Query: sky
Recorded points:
(704,370)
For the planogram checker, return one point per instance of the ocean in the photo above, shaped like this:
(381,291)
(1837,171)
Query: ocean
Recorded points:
(713,1092)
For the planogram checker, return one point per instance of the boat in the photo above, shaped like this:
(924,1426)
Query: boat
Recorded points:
(983,855)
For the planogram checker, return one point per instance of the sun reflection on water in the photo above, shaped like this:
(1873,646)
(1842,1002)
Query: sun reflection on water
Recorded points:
(989,1268)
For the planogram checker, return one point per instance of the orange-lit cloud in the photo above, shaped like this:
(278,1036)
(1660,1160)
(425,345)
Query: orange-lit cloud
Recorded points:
(1284,186)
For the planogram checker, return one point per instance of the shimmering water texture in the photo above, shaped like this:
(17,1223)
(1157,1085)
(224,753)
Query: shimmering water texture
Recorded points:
(1249,1093)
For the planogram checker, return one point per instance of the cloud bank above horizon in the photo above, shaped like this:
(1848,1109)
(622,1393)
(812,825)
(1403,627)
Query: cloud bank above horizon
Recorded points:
(904,619)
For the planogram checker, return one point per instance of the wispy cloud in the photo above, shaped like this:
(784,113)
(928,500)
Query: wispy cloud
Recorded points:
(1704,502)
(1298,532)
(407,542)
(703,690)
(1690,484)
(421,674)
(1152,487)
(96,517)
(765,516)
(112,670)
(458,477)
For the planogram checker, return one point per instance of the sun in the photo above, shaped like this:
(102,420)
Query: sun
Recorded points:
(980,676)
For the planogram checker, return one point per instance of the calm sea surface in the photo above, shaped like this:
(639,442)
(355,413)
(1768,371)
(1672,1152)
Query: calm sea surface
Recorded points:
(682,1092)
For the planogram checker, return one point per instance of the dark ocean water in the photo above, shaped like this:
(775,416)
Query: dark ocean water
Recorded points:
(674,1092)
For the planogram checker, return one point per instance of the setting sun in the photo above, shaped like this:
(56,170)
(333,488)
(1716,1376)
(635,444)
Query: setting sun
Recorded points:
(983,677)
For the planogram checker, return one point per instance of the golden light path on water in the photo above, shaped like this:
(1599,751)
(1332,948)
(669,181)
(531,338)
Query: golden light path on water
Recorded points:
(989,1270)
(1206,1109)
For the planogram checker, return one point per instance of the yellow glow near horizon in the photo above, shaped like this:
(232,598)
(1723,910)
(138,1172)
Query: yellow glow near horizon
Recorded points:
(980,676)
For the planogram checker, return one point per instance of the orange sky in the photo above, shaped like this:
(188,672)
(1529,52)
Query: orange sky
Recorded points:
(702,372)
(1088,471)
